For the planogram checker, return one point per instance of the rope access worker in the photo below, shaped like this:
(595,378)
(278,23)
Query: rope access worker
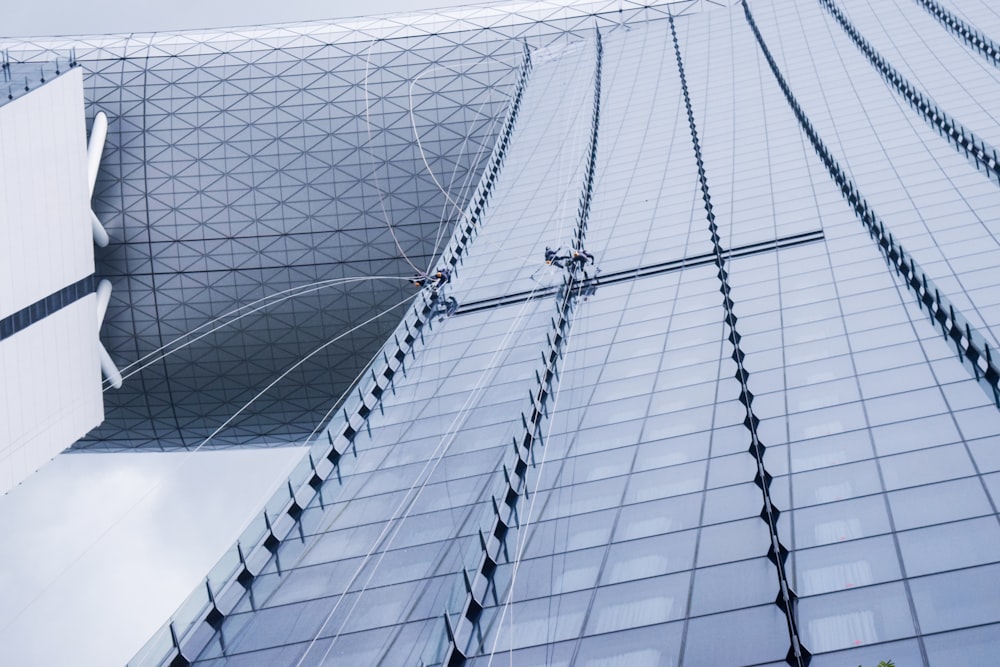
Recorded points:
(553,257)
(440,278)
(581,258)
(437,279)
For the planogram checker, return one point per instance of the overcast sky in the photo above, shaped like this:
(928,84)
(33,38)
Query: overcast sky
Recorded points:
(22,18)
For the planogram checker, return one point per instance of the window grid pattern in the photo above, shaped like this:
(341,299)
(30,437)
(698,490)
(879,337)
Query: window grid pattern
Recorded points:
(969,35)
(252,163)
(949,128)
(642,539)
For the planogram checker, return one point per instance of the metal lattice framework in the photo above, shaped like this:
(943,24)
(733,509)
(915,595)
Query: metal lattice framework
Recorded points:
(245,163)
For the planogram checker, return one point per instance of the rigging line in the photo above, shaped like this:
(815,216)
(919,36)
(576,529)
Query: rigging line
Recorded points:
(522,537)
(565,306)
(371,157)
(463,192)
(463,189)
(582,129)
(449,436)
(271,299)
(233,312)
(187,457)
(420,147)
(436,455)
(323,420)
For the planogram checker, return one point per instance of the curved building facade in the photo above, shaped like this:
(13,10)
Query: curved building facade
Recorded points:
(320,162)
(755,423)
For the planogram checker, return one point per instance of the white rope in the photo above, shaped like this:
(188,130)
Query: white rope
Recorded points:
(185,459)
(463,192)
(271,299)
(522,536)
(371,156)
(457,207)
(402,511)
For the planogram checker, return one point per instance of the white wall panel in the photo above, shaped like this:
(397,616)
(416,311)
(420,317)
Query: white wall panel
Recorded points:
(44,197)
(50,389)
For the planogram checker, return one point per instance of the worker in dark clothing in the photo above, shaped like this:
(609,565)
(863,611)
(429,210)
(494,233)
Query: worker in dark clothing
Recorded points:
(581,258)
(553,257)
(447,308)
(440,278)
(436,280)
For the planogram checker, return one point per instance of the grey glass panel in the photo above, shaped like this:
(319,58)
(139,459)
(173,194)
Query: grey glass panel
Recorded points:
(731,541)
(738,637)
(639,603)
(950,546)
(541,621)
(901,653)
(656,646)
(929,465)
(650,557)
(986,454)
(734,585)
(836,483)
(561,573)
(853,618)
(659,516)
(937,503)
(957,599)
(848,565)
(840,521)
(964,647)
(830,450)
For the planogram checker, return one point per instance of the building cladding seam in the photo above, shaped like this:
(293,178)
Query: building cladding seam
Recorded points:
(969,35)
(970,345)
(777,553)
(516,487)
(948,128)
(647,270)
(185,646)
(46,306)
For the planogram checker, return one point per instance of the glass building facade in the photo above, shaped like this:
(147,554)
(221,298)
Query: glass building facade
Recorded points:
(761,428)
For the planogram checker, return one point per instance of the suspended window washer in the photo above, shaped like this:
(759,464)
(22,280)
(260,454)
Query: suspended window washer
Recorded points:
(581,258)
(436,280)
(553,257)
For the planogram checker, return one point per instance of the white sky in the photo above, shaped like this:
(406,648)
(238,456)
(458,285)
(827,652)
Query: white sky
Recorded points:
(100,549)
(73,17)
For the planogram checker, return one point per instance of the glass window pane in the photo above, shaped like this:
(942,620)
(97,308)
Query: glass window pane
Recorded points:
(950,546)
(638,603)
(853,618)
(734,585)
(747,636)
(839,522)
(654,646)
(650,557)
(976,646)
(956,599)
(937,503)
(847,565)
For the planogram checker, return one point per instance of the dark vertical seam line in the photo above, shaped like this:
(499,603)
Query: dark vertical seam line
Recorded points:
(777,553)
(970,346)
(969,35)
(948,128)
(462,635)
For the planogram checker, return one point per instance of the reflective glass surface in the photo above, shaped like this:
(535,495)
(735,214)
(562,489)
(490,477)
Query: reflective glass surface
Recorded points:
(737,433)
